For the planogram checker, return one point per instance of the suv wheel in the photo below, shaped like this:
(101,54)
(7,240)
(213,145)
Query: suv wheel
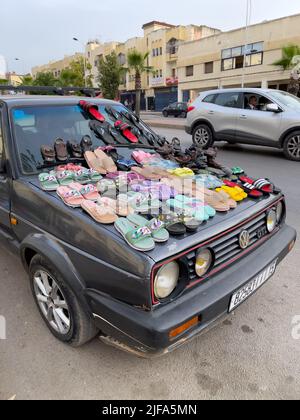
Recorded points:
(59,307)
(291,146)
(202,136)
(165,114)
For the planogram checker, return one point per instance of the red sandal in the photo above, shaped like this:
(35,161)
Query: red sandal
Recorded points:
(126,131)
(261,184)
(93,110)
(248,188)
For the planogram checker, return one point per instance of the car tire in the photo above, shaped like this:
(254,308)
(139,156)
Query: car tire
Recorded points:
(165,114)
(203,136)
(61,311)
(291,146)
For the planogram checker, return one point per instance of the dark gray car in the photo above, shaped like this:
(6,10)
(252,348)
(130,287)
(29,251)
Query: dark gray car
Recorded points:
(86,280)
(262,117)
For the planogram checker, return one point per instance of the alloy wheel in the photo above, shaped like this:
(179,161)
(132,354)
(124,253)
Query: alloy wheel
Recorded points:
(293,147)
(202,137)
(52,302)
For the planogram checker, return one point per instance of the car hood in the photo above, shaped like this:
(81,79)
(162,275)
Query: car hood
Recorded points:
(100,239)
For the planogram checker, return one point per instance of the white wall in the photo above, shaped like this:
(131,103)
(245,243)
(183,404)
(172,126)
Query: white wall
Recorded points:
(3,67)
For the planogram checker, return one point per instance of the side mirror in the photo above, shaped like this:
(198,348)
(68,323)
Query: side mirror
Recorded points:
(273,108)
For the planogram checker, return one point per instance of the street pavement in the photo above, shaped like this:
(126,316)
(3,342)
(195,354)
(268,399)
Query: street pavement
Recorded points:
(252,355)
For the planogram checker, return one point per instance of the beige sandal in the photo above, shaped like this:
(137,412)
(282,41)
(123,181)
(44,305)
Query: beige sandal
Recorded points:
(101,214)
(106,161)
(121,208)
(94,163)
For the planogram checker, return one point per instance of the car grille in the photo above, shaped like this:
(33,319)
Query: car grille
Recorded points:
(228,247)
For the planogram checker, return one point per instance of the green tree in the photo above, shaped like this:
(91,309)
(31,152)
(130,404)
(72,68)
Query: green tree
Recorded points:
(110,76)
(74,75)
(287,62)
(45,79)
(27,80)
(137,64)
(3,81)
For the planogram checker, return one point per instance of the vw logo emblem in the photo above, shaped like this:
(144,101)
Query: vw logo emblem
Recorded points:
(244,239)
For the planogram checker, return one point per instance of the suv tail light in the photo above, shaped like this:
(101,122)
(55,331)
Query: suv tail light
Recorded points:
(191,108)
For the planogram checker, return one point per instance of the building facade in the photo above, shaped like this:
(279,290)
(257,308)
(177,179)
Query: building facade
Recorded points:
(222,61)
(56,67)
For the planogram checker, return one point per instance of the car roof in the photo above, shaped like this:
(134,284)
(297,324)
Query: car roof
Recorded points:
(42,100)
(240,90)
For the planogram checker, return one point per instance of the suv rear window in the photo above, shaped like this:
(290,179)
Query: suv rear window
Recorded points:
(42,125)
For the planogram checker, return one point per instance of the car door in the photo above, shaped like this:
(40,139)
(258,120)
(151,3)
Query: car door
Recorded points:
(5,183)
(222,112)
(172,109)
(258,126)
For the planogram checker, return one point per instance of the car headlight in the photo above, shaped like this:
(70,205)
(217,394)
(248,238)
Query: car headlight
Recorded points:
(204,260)
(271,221)
(166,280)
(279,212)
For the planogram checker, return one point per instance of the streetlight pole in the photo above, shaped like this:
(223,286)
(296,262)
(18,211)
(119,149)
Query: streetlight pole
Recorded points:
(84,59)
(248,21)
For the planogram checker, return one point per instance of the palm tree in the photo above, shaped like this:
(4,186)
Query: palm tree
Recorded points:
(288,62)
(137,63)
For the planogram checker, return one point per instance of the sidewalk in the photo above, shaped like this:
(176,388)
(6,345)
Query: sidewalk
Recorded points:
(155,119)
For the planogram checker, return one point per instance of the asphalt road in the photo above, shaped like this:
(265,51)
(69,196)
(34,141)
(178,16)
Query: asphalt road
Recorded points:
(250,356)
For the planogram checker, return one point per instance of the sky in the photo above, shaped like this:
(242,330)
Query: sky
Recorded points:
(37,31)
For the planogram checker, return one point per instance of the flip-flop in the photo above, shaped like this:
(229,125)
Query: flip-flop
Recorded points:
(64,178)
(48,182)
(82,176)
(71,198)
(94,163)
(88,192)
(139,239)
(101,214)
(102,131)
(157,227)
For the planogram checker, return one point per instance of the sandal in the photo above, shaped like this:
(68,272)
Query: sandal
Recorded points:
(86,144)
(158,232)
(102,131)
(248,188)
(92,110)
(101,214)
(139,239)
(71,198)
(121,208)
(61,151)
(64,178)
(75,150)
(236,193)
(48,154)
(173,224)
(88,192)
(105,161)
(262,184)
(126,130)
(94,163)
(48,182)
(82,176)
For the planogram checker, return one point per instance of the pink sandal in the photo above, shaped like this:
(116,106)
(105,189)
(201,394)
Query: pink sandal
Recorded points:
(70,197)
(88,192)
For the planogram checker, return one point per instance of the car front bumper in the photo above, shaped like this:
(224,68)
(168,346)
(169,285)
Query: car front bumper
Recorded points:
(146,333)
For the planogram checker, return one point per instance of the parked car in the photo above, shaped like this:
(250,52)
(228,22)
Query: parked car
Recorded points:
(262,117)
(177,109)
(84,278)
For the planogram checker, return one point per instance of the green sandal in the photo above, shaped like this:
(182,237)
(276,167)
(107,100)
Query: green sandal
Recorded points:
(64,178)
(48,182)
(139,239)
(159,233)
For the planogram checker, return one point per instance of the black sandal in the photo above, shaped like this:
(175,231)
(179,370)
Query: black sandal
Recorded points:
(48,154)
(74,149)
(86,144)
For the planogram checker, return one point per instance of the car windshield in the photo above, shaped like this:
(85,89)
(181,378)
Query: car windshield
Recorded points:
(35,126)
(287,99)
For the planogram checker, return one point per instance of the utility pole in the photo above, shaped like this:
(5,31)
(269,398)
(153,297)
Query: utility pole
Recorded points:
(84,59)
(248,21)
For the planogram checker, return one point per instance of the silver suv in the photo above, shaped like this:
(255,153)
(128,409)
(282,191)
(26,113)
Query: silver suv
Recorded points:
(262,117)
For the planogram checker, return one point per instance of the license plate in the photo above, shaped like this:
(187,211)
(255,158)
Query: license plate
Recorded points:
(245,292)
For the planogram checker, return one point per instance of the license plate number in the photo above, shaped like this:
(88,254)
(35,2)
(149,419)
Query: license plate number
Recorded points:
(245,292)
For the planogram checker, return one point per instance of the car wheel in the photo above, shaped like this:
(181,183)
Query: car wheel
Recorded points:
(58,305)
(202,136)
(291,146)
(165,114)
